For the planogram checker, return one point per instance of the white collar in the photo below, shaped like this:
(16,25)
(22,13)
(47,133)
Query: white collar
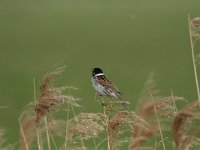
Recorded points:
(99,74)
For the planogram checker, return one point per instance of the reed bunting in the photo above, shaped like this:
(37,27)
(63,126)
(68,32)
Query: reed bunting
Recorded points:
(104,87)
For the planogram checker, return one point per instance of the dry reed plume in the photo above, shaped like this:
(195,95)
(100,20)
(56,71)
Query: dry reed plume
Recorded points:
(143,129)
(186,126)
(50,99)
(87,125)
(160,109)
(195,28)
(118,123)
(51,96)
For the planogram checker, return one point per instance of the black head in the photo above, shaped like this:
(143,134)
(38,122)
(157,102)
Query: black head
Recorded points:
(96,71)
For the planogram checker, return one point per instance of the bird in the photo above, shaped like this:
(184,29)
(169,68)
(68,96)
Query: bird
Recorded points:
(104,87)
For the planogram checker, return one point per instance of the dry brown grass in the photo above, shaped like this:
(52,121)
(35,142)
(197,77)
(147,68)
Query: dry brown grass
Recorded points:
(49,100)
(184,127)
(143,129)
(152,119)
(87,125)
(119,123)
(157,111)
(164,112)
(51,96)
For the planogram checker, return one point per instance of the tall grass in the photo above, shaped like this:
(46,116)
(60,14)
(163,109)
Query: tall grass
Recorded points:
(194,31)
(147,127)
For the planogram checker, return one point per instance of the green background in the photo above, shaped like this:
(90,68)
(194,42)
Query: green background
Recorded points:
(128,39)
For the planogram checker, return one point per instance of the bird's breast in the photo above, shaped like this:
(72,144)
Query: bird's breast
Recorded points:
(98,87)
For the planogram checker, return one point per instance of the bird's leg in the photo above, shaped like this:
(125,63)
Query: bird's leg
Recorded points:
(103,103)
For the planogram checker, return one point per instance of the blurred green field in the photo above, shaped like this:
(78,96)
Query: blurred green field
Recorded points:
(128,39)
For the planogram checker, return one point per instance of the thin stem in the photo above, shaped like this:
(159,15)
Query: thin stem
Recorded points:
(34,91)
(37,129)
(101,143)
(95,145)
(38,138)
(106,123)
(161,135)
(67,126)
(23,136)
(54,143)
(81,138)
(107,126)
(173,101)
(47,132)
(82,142)
(193,60)
(155,145)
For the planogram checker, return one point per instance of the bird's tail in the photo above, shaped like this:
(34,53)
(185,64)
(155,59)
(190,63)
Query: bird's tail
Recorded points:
(124,102)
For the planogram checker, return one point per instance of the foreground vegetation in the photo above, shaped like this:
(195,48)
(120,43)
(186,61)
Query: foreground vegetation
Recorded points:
(148,127)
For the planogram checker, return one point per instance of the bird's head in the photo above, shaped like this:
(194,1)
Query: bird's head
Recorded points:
(97,72)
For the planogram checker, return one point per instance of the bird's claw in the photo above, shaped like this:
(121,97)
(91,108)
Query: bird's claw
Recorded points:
(103,104)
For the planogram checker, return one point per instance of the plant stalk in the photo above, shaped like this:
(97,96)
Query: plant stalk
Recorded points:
(193,60)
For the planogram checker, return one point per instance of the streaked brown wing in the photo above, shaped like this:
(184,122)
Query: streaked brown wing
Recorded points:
(106,83)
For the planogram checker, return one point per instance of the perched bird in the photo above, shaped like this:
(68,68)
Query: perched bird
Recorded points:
(104,87)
